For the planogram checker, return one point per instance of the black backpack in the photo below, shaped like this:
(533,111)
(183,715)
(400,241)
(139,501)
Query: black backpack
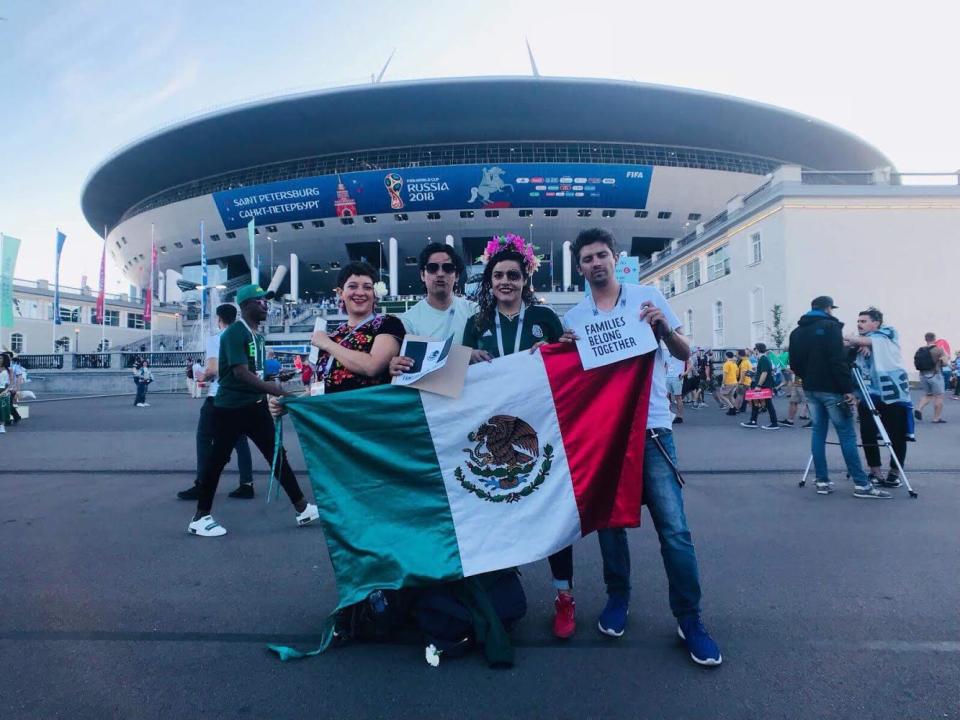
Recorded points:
(447,622)
(923,359)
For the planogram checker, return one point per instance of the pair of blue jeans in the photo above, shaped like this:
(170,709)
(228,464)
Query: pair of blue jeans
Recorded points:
(141,391)
(664,500)
(827,408)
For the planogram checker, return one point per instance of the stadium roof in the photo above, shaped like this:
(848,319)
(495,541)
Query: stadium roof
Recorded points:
(462,110)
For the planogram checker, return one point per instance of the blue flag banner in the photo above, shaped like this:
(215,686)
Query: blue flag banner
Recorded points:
(61,239)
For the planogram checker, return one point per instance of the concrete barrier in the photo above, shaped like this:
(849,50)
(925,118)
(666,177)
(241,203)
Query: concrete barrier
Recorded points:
(101,382)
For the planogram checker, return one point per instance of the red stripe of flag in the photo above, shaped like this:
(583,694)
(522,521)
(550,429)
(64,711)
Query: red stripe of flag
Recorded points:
(603,420)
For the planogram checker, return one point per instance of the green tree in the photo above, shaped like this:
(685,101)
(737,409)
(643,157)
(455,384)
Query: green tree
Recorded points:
(778,333)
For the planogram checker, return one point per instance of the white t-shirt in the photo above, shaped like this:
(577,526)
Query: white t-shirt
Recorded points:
(426,321)
(213,351)
(658,414)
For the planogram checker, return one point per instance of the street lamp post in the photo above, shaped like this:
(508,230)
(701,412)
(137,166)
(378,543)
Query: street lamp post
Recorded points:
(76,340)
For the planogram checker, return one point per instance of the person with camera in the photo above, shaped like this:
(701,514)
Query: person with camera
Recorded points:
(819,358)
(878,359)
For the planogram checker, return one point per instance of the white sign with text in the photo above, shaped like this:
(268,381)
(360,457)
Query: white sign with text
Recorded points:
(613,336)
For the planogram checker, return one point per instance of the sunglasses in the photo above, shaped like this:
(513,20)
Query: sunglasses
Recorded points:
(447,267)
(512,275)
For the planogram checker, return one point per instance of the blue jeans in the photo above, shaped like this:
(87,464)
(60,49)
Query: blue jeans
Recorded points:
(205,445)
(827,408)
(664,500)
(141,392)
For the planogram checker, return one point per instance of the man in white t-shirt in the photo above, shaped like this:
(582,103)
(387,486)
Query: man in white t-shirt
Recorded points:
(441,313)
(595,254)
(226,316)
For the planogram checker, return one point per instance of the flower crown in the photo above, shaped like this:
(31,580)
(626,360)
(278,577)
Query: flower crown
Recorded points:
(499,243)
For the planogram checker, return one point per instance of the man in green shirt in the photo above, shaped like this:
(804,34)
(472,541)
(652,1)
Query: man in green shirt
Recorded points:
(240,408)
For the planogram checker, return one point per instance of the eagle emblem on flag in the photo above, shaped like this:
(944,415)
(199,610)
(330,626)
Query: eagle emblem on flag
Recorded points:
(503,460)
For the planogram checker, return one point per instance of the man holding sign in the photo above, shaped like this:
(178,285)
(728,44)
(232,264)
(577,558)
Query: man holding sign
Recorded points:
(610,317)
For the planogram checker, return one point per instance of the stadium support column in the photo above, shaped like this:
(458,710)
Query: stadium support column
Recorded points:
(394,268)
(294,277)
(567,269)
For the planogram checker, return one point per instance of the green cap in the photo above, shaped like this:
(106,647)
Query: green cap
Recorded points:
(252,292)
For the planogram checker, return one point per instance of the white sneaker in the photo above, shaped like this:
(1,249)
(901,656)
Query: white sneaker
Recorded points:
(309,514)
(2,429)
(206,527)
(140,405)
(145,405)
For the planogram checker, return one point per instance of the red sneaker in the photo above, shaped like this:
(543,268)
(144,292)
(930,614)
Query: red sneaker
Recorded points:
(564,622)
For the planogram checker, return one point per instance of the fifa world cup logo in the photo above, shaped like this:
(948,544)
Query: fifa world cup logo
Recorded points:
(394,182)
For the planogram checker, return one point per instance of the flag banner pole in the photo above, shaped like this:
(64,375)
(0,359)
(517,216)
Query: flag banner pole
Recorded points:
(61,238)
(148,315)
(203,285)
(9,248)
(254,271)
(102,294)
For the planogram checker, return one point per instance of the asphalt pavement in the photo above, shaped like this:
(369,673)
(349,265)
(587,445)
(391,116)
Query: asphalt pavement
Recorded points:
(824,606)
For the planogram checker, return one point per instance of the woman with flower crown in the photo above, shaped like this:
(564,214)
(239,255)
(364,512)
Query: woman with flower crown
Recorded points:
(509,321)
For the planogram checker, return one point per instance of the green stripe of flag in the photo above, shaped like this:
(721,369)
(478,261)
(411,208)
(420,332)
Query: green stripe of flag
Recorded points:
(372,487)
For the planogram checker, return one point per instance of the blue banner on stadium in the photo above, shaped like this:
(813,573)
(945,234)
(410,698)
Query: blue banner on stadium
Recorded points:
(452,187)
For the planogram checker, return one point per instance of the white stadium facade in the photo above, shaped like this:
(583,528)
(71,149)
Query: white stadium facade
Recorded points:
(376,171)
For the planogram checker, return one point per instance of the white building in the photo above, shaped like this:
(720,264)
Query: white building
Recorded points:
(34,332)
(802,234)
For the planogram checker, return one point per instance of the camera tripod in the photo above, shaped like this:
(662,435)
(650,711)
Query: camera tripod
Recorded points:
(884,437)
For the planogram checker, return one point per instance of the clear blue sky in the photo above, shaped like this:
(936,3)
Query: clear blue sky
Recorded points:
(78,79)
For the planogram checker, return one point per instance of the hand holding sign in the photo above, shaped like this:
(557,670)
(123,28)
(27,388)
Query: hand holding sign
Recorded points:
(614,336)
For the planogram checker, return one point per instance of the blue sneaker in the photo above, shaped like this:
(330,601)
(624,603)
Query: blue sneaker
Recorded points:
(613,619)
(703,650)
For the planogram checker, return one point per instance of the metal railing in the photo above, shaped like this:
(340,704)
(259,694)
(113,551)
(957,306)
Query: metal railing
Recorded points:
(53,361)
(176,359)
(91,361)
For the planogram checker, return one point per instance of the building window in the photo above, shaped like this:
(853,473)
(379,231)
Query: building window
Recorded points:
(691,275)
(756,249)
(758,327)
(550,212)
(525,213)
(608,213)
(111,318)
(433,216)
(718,262)
(694,217)
(16,343)
(399,217)
(664,215)
(641,213)
(135,321)
(491,213)
(718,341)
(666,285)
(62,345)
(69,314)
(231,235)
(688,327)
(466,214)
(315,223)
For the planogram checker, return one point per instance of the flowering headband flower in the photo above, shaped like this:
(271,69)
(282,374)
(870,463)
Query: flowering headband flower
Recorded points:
(499,243)
(380,289)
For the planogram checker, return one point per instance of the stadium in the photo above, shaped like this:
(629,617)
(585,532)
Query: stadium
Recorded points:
(376,171)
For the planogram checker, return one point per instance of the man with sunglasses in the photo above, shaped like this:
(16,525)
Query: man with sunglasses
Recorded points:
(240,408)
(441,313)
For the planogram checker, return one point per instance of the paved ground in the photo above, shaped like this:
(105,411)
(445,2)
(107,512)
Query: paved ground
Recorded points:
(824,606)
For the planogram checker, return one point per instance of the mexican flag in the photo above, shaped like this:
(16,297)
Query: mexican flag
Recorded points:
(415,488)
